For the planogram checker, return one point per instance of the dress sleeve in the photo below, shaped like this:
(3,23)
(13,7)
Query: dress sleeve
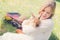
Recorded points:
(46,26)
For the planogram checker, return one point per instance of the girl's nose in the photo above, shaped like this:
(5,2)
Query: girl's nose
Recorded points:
(44,13)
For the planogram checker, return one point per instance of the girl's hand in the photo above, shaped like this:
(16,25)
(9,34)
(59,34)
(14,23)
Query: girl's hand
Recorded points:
(19,31)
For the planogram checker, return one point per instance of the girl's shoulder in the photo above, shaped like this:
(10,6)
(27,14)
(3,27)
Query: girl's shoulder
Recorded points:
(47,22)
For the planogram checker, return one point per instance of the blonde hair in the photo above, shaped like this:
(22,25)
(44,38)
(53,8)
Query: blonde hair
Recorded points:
(52,5)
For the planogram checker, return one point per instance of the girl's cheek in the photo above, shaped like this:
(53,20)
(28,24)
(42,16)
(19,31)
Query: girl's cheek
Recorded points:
(48,16)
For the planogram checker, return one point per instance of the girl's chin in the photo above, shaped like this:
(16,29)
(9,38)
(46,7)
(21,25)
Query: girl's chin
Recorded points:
(43,18)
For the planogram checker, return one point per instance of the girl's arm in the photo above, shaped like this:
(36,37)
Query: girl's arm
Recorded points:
(46,25)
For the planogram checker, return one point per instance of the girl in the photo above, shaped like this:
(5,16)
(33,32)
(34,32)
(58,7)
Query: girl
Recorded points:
(43,31)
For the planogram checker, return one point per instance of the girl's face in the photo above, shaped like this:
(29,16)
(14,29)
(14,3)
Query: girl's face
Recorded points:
(46,13)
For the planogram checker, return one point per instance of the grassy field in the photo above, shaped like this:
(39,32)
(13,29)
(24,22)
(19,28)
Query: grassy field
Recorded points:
(25,8)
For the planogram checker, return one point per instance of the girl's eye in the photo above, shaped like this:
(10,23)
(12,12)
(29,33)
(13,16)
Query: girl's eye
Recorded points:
(48,13)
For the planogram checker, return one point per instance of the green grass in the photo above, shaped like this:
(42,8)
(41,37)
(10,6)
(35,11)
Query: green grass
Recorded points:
(25,8)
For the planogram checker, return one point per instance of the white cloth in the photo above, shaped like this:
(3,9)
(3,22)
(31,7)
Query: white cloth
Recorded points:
(14,36)
(42,32)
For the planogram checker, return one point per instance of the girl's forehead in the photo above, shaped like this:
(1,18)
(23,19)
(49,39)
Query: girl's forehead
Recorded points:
(48,9)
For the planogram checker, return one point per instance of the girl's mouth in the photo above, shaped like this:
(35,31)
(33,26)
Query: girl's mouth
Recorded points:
(44,16)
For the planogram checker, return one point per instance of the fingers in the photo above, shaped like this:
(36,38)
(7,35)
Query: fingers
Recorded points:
(19,31)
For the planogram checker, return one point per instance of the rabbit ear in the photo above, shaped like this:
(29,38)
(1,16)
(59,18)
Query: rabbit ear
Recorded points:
(33,15)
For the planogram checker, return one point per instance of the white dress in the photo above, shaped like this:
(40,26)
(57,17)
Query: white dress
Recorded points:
(42,32)
(14,36)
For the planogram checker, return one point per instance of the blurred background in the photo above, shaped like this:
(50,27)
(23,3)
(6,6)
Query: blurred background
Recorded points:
(25,7)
